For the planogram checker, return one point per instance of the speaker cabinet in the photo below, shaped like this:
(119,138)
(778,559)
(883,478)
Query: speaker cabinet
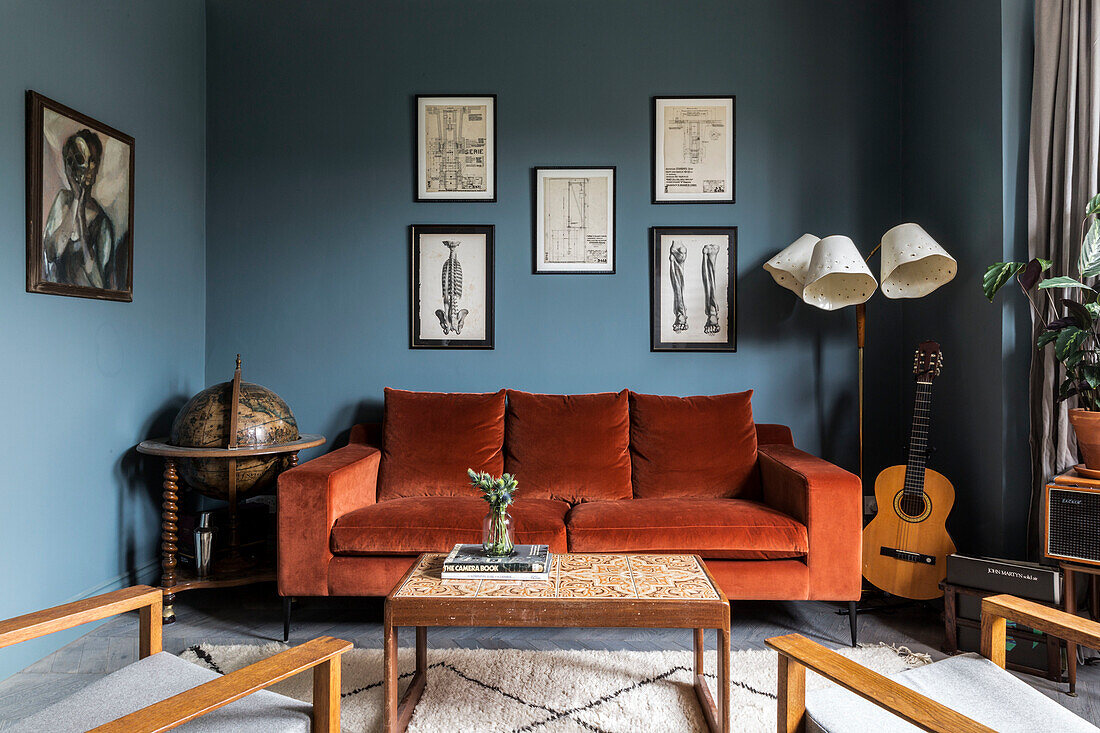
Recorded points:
(1071,523)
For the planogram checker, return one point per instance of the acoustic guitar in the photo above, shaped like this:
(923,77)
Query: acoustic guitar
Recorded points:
(905,547)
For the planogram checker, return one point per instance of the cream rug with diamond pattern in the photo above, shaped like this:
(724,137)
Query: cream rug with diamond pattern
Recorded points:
(470,691)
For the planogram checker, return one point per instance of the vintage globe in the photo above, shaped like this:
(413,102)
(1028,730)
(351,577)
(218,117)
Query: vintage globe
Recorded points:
(262,419)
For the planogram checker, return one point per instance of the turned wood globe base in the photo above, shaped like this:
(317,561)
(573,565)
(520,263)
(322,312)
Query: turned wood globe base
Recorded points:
(234,568)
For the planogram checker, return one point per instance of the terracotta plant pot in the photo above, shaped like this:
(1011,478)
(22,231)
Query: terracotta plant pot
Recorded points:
(1086,425)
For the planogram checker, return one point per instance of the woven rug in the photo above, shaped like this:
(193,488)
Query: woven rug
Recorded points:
(470,691)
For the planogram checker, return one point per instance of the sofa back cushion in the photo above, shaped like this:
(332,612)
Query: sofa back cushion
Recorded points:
(429,439)
(692,446)
(570,447)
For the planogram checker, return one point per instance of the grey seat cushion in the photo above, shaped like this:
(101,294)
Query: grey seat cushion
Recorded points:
(153,679)
(967,683)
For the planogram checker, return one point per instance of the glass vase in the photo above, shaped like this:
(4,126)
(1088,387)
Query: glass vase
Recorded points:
(496,533)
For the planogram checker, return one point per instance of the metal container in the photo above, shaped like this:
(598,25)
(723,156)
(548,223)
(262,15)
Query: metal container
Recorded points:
(204,545)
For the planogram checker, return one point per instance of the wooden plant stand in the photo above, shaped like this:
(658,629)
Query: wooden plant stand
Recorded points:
(584,590)
(175,579)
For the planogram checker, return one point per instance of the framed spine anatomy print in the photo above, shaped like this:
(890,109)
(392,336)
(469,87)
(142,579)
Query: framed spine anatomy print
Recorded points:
(451,294)
(574,220)
(694,289)
(456,148)
(80,204)
(693,150)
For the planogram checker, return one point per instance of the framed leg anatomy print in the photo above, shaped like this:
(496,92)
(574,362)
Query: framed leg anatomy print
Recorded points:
(451,293)
(693,296)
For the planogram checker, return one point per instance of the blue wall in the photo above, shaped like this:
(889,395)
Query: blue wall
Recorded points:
(966,76)
(85,380)
(311,193)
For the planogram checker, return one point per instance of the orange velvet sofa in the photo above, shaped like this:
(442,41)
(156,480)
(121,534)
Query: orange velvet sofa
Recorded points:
(610,472)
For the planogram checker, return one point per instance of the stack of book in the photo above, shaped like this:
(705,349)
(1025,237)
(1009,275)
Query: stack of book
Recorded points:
(469,562)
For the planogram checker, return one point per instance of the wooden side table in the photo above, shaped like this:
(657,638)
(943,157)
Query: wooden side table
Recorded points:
(1069,600)
(176,580)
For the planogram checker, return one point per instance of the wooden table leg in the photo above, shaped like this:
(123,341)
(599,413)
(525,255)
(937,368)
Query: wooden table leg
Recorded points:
(389,676)
(169,538)
(724,676)
(1070,593)
(950,621)
(699,682)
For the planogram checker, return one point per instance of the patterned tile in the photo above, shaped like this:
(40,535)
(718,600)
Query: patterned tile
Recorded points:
(580,575)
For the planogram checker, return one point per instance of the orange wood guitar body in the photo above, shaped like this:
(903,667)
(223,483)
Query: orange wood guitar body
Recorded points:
(924,534)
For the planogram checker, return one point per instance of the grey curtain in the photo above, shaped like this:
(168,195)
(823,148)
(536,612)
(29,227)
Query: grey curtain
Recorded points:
(1065,131)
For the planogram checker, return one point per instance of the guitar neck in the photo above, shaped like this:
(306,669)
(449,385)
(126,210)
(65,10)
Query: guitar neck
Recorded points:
(918,438)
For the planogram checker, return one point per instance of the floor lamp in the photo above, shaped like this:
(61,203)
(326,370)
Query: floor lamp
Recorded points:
(830,273)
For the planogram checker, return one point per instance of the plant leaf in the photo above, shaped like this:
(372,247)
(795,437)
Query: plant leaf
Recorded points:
(1046,337)
(1063,282)
(1069,342)
(1068,388)
(997,274)
(1032,272)
(1079,313)
(1091,374)
(1093,206)
(1090,250)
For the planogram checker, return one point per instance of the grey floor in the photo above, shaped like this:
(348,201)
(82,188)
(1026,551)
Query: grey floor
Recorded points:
(253,616)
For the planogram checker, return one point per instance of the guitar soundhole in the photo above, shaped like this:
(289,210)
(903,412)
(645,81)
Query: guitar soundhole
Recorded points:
(912,507)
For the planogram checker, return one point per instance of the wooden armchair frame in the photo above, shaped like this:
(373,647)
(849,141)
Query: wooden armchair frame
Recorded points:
(797,654)
(322,655)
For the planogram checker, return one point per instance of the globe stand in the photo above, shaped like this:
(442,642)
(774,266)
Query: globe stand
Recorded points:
(233,568)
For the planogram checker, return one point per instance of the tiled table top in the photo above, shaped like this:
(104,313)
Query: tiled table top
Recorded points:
(575,576)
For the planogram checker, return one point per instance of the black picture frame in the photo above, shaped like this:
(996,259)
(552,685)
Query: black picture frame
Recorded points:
(419,132)
(658,270)
(536,219)
(653,170)
(419,340)
(122,256)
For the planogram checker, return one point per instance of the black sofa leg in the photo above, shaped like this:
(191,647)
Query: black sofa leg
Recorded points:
(287,601)
(853,616)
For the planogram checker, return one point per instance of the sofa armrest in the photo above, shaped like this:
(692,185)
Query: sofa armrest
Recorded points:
(311,498)
(829,501)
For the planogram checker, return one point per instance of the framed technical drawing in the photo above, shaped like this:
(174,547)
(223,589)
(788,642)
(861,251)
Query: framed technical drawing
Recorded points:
(456,148)
(80,204)
(574,220)
(693,297)
(451,293)
(693,150)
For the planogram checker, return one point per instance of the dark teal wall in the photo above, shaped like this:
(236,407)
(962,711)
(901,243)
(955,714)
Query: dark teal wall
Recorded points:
(966,80)
(310,194)
(82,379)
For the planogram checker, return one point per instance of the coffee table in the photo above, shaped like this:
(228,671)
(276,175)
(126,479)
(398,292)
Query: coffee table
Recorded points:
(584,590)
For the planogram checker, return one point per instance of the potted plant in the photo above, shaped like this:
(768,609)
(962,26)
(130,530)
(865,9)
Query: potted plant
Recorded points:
(496,531)
(1074,332)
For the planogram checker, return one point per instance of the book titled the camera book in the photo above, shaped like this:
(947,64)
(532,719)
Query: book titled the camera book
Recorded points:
(469,562)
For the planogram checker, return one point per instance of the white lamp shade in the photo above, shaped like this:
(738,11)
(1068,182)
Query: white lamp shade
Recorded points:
(913,264)
(837,276)
(789,267)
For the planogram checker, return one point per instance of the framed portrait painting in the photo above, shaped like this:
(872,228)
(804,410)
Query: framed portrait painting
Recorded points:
(574,220)
(694,289)
(456,148)
(693,150)
(451,288)
(80,204)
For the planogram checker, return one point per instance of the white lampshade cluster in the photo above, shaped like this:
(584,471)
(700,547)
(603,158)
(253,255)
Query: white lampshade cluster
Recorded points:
(830,273)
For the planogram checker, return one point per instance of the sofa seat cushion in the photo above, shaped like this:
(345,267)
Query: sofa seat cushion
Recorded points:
(968,684)
(429,439)
(436,524)
(693,446)
(157,678)
(570,447)
(736,529)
